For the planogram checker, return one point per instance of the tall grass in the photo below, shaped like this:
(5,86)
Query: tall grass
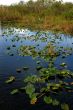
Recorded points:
(46,14)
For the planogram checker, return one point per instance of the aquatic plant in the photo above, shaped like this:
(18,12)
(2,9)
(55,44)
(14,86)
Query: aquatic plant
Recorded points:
(10,79)
(48,80)
(25,68)
(18,70)
(47,53)
(64,106)
(28,51)
(14,91)
(8,48)
(51,50)
(44,77)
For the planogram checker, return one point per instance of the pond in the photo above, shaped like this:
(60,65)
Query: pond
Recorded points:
(25,53)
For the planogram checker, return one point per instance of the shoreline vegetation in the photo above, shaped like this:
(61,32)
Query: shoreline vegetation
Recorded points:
(41,14)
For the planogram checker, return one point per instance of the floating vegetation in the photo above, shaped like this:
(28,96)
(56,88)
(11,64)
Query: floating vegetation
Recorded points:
(22,89)
(39,67)
(8,48)
(63,64)
(18,70)
(64,106)
(10,79)
(38,62)
(11,54)
(49,80)
(28,51)
(13,45)
(49,100)
(44,77)
(25,68)
(14,91)
(46,53)
(30,90)
(51,50)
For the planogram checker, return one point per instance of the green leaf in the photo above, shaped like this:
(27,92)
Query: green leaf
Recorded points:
(30,89)
(63,64)
(55,102)
(22,89)
(64,106)
(10,80)
(15,91)
(39,67)
(38,62)
(31,79)
(48,100)
(56,86)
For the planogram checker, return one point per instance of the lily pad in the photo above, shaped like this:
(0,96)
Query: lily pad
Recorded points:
(30,89)
(64,106)
(55,102)
(48,100)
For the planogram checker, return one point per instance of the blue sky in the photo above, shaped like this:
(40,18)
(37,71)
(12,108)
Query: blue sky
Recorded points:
(8,2)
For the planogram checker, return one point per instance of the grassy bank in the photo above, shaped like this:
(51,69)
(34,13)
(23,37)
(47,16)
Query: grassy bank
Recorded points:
(46,15)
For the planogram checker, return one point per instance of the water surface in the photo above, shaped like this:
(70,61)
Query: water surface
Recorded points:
(10,60)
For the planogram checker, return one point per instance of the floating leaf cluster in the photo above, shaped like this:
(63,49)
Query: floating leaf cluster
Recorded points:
(49,80)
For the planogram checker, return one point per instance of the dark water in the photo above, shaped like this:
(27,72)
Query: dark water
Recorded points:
(9,63)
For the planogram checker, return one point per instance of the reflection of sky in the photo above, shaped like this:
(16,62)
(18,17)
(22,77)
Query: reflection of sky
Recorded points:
(24,32)
(66,41)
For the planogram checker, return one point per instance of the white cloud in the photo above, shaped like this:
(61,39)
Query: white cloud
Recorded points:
(8,2)
(68,1)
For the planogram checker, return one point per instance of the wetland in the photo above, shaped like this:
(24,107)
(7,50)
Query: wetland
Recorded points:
(36,70)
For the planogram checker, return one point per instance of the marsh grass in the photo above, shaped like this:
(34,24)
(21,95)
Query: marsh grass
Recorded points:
(56,15)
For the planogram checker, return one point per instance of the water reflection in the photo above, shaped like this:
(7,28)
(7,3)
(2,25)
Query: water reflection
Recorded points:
(10,60)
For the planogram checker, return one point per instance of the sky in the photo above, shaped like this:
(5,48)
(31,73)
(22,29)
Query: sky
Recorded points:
(8,2)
